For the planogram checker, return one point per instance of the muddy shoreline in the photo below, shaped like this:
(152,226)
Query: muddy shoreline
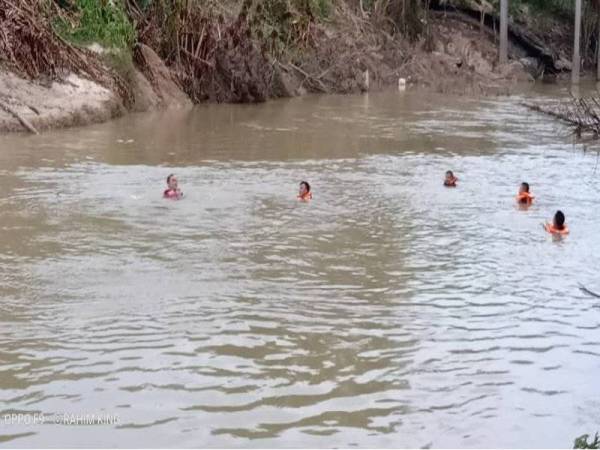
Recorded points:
(458,57)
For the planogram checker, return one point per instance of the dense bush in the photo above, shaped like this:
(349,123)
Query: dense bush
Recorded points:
(88,21)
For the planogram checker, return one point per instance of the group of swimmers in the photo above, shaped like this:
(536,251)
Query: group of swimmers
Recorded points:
(174,193)
(524,198)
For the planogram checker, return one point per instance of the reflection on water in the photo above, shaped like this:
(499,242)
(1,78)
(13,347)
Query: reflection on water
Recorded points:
(390,311)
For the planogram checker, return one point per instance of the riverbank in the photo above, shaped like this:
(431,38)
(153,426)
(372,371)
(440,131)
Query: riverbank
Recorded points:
(231,60)
(39,105)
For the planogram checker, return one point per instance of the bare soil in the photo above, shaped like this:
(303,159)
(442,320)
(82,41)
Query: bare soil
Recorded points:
(74,101)
(350,53)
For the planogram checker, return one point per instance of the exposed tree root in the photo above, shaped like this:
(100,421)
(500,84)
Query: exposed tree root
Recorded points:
(26,124)
(31,48)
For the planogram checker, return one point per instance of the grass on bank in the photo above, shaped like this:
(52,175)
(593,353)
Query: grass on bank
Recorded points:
(84,22)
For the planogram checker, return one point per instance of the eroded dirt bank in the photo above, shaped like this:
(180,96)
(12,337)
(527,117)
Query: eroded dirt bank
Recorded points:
(225,62)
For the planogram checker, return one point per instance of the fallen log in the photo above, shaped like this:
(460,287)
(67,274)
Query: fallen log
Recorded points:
(315,80)
(587,291)
(22,120)
(581,114)
(533,45)
(563,116)
(519,35)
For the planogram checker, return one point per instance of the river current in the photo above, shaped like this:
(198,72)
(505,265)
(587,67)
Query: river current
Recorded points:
(389,311)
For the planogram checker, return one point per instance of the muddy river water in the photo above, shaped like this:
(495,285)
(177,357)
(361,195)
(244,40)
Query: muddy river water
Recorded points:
(389,311)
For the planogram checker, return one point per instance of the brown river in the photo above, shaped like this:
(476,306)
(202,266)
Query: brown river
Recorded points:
(389,312)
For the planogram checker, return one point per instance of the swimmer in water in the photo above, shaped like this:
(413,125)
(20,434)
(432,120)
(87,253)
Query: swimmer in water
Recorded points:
(172,192)
(450,180)
(304,194)
(558,225)
(524,197)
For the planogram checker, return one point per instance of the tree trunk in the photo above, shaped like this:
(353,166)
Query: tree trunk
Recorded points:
(503,31)
(19,117)
(598,41)
(482,21)
(404,16)
(576,55)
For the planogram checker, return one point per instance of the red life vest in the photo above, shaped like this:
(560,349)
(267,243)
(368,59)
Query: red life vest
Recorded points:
(173,194)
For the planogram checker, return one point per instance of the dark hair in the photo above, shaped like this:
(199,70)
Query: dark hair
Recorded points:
(526,186)
(449,172)
(305,183)
(169,178)
(559,220)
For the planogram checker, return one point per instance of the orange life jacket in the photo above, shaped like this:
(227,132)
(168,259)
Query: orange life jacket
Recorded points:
(306,197)
(552,229)
(525,197)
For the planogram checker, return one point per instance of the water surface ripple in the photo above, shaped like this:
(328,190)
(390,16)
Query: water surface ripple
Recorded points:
(388,312)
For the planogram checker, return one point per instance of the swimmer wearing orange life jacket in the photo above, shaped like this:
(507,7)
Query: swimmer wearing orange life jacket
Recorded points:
(557,227)
(450,180)
(172,192)
(304,195)
(524,197)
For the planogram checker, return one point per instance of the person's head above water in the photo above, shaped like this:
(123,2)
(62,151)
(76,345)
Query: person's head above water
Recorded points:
(172,182)
(304,188)
(558,225)
(559,220)
(450,179)
(524,197)
(172,191)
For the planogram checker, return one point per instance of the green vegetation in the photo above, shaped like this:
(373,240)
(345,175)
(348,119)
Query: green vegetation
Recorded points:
(210,42)
(102,22)
(106,22)
(122,63)
(582,442)
(321,7)
(84,22)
